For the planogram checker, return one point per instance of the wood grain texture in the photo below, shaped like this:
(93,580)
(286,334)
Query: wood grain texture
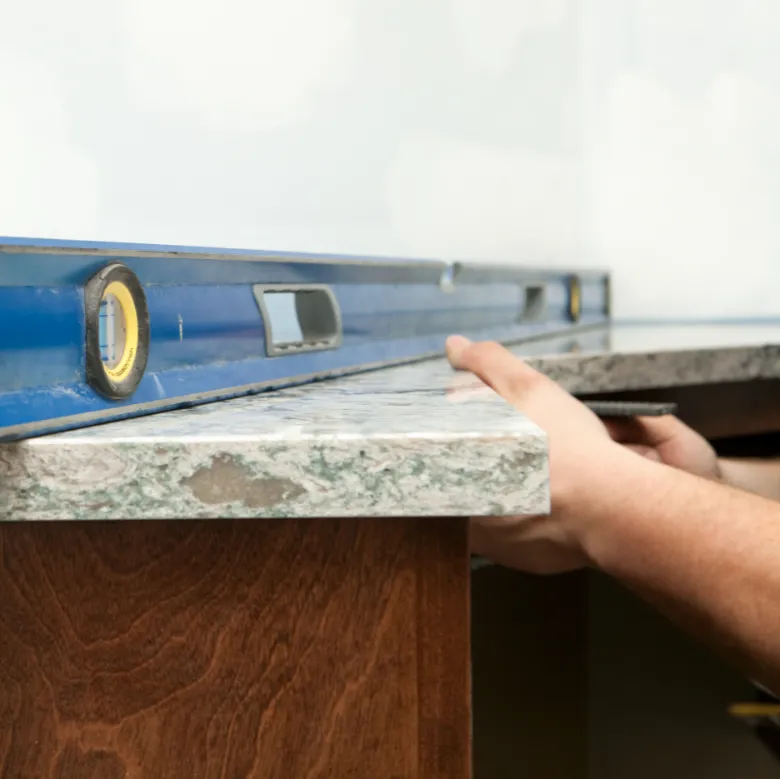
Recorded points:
(443,654)
(234,650)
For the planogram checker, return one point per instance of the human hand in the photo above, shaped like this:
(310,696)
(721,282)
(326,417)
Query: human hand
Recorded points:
(667,440)
(584,462)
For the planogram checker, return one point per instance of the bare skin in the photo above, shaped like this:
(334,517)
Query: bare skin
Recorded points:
(667,440)
(650,504)
(759,476)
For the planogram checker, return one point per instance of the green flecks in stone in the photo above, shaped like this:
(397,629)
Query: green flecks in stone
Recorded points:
(417,468)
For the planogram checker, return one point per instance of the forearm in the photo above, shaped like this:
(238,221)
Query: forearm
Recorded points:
(761,477)
(706,555)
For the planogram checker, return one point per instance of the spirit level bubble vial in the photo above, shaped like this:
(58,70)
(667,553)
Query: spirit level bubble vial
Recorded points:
(117,332)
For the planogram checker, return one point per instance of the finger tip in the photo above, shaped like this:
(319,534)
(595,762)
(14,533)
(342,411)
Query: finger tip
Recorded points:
(458,341)
(455,346)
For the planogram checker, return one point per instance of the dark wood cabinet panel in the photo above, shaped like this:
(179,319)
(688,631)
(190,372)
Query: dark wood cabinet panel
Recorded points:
(235,649)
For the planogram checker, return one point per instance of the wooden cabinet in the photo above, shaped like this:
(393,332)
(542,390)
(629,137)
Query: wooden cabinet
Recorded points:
(292,649)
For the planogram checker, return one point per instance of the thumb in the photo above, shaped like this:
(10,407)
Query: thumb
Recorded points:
(650,431)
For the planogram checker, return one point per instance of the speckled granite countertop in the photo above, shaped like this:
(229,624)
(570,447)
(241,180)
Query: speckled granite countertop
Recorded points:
(417,440)
(632,357)
(321,451)
(627,357)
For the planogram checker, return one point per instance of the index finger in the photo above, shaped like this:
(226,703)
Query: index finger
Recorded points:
(507,374)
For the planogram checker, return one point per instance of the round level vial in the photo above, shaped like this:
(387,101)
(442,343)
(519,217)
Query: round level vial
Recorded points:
(117,331)
(113,331)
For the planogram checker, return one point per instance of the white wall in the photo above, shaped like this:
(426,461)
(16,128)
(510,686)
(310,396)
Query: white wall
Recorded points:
(682,139)
(444,127)
(643,135)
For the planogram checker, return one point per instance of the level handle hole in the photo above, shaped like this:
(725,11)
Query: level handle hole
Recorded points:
(300,318)
(534,303)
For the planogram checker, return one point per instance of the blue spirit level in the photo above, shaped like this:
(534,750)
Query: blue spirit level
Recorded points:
(92,332)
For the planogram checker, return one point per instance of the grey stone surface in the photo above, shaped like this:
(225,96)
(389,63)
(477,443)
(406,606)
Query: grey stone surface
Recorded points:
(624,358)
(646,357)
(313,452)
(418,440)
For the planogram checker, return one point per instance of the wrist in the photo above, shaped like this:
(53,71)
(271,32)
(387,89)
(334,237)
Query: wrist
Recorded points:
(619,482)
(759,476)
(737,473)
(741,474)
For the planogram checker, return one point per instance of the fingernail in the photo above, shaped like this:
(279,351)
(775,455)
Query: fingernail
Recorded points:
(455,345)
